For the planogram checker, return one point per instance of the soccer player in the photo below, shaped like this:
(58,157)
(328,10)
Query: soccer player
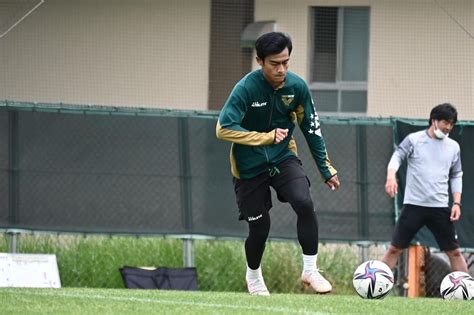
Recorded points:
(434,162)
(258,118)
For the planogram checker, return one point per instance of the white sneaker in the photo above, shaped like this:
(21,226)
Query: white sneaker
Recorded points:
(316,281)
(257,287)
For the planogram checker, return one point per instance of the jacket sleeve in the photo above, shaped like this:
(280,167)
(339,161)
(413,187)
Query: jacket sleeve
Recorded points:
(308,120)
(229,127)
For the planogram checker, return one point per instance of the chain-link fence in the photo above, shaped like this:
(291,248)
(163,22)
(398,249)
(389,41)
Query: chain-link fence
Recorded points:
(429,266)
(152,172)
(168,174)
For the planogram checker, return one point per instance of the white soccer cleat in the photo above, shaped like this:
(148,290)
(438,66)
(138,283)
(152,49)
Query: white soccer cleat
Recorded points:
(257,287)
(316,281)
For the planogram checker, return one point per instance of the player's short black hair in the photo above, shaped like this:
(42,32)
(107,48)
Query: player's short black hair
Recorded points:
(444,111)
(272,43)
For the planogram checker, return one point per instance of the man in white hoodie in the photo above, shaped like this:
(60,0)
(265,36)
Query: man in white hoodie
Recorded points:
(434,163)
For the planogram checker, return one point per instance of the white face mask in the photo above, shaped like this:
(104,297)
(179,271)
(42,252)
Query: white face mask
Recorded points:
(438,133)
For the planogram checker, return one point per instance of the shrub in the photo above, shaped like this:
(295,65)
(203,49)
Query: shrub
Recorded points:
(93,261)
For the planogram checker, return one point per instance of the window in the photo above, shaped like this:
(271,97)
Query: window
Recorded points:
(339,62)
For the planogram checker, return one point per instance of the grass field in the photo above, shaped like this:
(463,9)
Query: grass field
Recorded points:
(124,301)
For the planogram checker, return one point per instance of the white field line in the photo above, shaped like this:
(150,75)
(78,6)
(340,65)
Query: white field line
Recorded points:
(171,302)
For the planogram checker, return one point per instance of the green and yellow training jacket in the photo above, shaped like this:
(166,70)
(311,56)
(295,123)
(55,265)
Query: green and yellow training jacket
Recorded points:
(249,118)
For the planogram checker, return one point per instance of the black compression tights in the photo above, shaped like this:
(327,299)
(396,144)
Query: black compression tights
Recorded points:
(255,242)
(307,229)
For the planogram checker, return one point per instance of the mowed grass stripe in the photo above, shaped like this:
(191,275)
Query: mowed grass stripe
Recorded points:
(159,300)
(125,301)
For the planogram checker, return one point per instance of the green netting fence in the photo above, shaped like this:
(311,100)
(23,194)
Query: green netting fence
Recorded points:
(97,169)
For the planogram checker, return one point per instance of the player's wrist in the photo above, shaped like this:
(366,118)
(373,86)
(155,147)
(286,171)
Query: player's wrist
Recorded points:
(330,178)
(457,204)
(391,174)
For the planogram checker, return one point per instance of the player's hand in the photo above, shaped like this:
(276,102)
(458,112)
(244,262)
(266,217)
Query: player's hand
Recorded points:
(333,183)
(455,213)
(391,187)
(280,135)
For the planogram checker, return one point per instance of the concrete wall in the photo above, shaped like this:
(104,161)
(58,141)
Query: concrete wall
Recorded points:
(418,57)
(109,52)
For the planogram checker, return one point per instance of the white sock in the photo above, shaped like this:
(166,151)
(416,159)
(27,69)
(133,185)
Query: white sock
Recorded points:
(253,274)
(310,262)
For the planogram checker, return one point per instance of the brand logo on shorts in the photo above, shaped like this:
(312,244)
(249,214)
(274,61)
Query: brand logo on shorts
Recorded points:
(255,218)
(257,104)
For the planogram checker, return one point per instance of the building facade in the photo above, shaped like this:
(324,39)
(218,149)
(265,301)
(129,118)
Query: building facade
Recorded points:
(375,58)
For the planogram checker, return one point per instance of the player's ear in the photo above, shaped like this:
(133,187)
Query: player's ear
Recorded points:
(259,61)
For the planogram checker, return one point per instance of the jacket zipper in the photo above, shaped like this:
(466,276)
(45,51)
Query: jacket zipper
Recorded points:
(271,109)
(270,123)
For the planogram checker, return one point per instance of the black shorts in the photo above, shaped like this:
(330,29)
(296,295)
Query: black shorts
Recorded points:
(254,196)
(413,218)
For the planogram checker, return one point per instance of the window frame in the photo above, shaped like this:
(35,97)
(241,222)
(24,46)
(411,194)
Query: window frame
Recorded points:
(338,86)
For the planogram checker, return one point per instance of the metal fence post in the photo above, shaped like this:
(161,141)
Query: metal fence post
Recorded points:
(363,251)
(186,195)
(362,181)
(13,167)
(188,252)
(12,241)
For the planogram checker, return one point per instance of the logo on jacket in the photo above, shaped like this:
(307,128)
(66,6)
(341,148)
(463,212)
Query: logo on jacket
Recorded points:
(287,99)
(314,123)
(257,104)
